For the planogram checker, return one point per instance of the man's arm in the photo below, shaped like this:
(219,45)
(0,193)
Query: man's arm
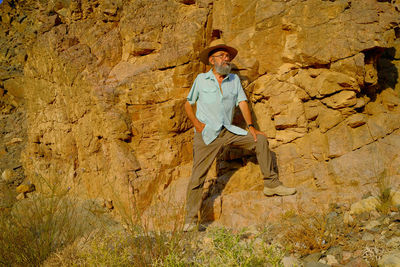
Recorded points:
(190,113)
(244,108)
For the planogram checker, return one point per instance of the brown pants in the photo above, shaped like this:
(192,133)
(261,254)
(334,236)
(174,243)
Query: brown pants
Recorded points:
(204,156)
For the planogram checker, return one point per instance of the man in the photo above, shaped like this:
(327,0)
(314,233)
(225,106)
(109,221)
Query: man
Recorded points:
(217,93)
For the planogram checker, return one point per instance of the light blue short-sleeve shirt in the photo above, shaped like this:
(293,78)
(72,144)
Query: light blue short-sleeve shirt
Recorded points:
(215,109)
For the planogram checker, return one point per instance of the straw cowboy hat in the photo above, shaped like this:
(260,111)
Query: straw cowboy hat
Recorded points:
(217,44)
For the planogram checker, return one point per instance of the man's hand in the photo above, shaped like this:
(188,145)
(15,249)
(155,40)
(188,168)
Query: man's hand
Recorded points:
(199,126)
(244,108)
(254,133)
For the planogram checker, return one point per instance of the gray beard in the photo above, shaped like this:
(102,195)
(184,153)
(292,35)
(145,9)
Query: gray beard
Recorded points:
(223,69)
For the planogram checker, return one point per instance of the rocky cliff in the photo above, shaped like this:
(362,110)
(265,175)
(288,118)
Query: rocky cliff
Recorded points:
(92,93)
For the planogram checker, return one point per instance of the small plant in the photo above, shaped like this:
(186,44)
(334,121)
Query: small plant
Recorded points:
(230,249)
(7,197)
(34,228)
(315,232)
(150,244)
(372,254)
(274,255)
(384,194)
(288,214)
(108,249)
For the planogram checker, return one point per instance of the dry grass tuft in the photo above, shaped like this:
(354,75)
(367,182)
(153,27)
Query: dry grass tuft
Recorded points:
(224,247)
(32,229)
(384,186)
(312,233)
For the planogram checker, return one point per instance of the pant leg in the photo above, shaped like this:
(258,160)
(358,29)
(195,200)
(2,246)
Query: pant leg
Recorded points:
(263,153)
(203,157)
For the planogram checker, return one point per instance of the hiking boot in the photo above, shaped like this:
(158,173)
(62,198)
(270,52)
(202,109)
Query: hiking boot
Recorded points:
(280,190)
(189,227)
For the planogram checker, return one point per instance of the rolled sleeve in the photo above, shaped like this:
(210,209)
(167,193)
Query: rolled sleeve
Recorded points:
(241,95)
(194,93)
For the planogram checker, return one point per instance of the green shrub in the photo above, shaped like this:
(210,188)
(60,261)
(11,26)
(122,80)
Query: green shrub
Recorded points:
(234,249)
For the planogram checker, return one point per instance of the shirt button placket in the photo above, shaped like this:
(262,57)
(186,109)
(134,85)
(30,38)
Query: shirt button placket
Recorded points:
(225,119)
(221,102)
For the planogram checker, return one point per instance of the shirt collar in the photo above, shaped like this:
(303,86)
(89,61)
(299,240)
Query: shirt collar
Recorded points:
(210,75)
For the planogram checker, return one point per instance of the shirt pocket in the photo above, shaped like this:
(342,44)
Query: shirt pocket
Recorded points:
(230,97)
(209,95)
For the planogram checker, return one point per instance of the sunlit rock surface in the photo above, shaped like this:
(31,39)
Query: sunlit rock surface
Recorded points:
(95,91)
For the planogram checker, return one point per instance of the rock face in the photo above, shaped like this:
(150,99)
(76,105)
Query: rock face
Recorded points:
(102,86)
